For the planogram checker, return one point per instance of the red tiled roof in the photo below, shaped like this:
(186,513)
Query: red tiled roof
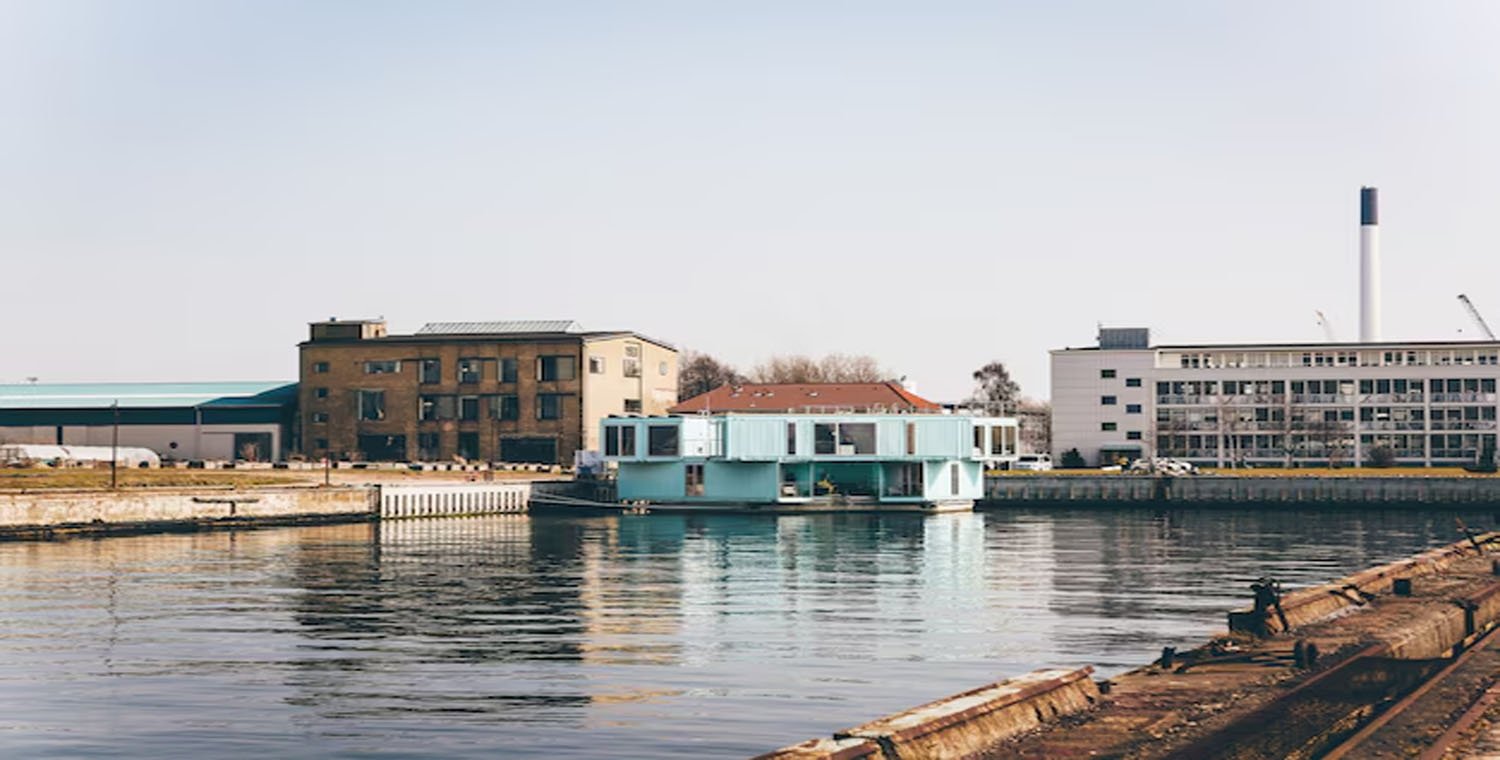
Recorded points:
(804,397)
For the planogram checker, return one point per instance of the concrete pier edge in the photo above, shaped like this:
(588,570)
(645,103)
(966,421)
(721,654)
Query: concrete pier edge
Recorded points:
(958,725)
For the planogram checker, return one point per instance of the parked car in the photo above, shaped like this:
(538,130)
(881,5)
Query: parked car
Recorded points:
(1164,465)
(1033,462)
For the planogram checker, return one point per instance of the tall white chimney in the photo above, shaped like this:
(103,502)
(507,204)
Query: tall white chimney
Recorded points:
(1369,266)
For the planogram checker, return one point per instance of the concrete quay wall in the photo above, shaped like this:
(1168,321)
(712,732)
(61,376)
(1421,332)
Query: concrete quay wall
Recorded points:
(1290,489)
(64,512)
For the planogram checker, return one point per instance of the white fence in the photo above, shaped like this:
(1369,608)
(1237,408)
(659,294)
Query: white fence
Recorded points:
(398,502)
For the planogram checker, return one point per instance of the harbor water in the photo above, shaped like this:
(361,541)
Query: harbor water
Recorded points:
(631,636)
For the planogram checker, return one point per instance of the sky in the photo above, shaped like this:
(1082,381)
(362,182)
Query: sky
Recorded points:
(185,185)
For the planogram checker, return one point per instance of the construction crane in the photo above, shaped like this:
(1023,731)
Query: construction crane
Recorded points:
(1327,327)
(1474,315)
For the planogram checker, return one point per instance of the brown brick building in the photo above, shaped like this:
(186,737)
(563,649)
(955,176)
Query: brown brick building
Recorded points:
(531,391)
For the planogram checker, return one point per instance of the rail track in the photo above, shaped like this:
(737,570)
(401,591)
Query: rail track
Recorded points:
(1367,705)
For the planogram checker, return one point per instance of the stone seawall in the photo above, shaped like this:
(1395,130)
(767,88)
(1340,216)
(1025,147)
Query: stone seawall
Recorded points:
(1292,490)
(58,513)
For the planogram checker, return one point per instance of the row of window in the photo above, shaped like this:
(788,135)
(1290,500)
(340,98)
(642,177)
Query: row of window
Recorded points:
(1113,400)
(829,438)
(1345,387)
(1393,358)
(1110,427)
(471,370)
(371,407)
(1130,382)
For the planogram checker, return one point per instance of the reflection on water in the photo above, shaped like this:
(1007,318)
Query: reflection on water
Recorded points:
(640,636)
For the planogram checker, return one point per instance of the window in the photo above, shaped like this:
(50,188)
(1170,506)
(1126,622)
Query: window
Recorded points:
(1132,408)
(1132,435)
(844,438)
(468,407)
(661,440)
(430,371)
(1106,373)
(632,406)
(1107,400)
(427,447)
(382,367)
(632,367)
(320,443)
(911,438)
(550,368)
(372,405)
(505,407)
(596,365)
(320,368)
(1107,426)
(549,406)
(661,369)
(320,417)
(953,480)
(468,445)
(320,392)
(791,439)
(507,370)
(1132,382)
(619,441)
(470,370)
(431,408)
(633,350)
(693,480)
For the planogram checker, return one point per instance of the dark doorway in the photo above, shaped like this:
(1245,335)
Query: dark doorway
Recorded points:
(529,450)
(382,448)
(253,447)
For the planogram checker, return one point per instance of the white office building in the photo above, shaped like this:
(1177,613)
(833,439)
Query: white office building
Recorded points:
(1276,404)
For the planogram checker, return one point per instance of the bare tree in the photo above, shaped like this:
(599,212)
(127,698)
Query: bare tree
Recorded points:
(995,392)
(833,368)
(699,373)
(1035,418)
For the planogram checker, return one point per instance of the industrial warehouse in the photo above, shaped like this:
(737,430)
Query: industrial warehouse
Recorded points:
(1282,404)
(183,421)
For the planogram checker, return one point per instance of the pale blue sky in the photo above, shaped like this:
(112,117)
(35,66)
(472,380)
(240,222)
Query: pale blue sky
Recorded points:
(183,185)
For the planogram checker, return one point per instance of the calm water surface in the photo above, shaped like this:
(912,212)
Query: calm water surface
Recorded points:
(650,636)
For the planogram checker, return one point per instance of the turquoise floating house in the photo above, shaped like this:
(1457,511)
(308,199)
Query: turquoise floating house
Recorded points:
(914,462)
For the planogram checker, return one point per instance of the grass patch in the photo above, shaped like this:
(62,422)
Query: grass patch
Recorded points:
(82,477)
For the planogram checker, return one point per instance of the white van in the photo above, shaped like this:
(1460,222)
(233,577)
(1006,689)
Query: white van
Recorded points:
(1034,462)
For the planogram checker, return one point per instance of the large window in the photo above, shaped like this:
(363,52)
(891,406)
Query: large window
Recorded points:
(631,367)
(507,370)
(372,405)
(550,368)
(505,407)
(470,370)
(844,438)
(661,440)
(430,371)
(427,447)
(468,407)
(382,367)
(619,441)
(632,406)
(468,446)
(549,406)
(596,365)
(431,408)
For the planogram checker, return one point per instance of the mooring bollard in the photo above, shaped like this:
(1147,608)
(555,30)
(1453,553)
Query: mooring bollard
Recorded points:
(1401,587)
(1168,655)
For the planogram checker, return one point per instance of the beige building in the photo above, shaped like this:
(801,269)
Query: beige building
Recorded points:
(524,391)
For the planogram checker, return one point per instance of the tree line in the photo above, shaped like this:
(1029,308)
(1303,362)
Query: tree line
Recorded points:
(995,392)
